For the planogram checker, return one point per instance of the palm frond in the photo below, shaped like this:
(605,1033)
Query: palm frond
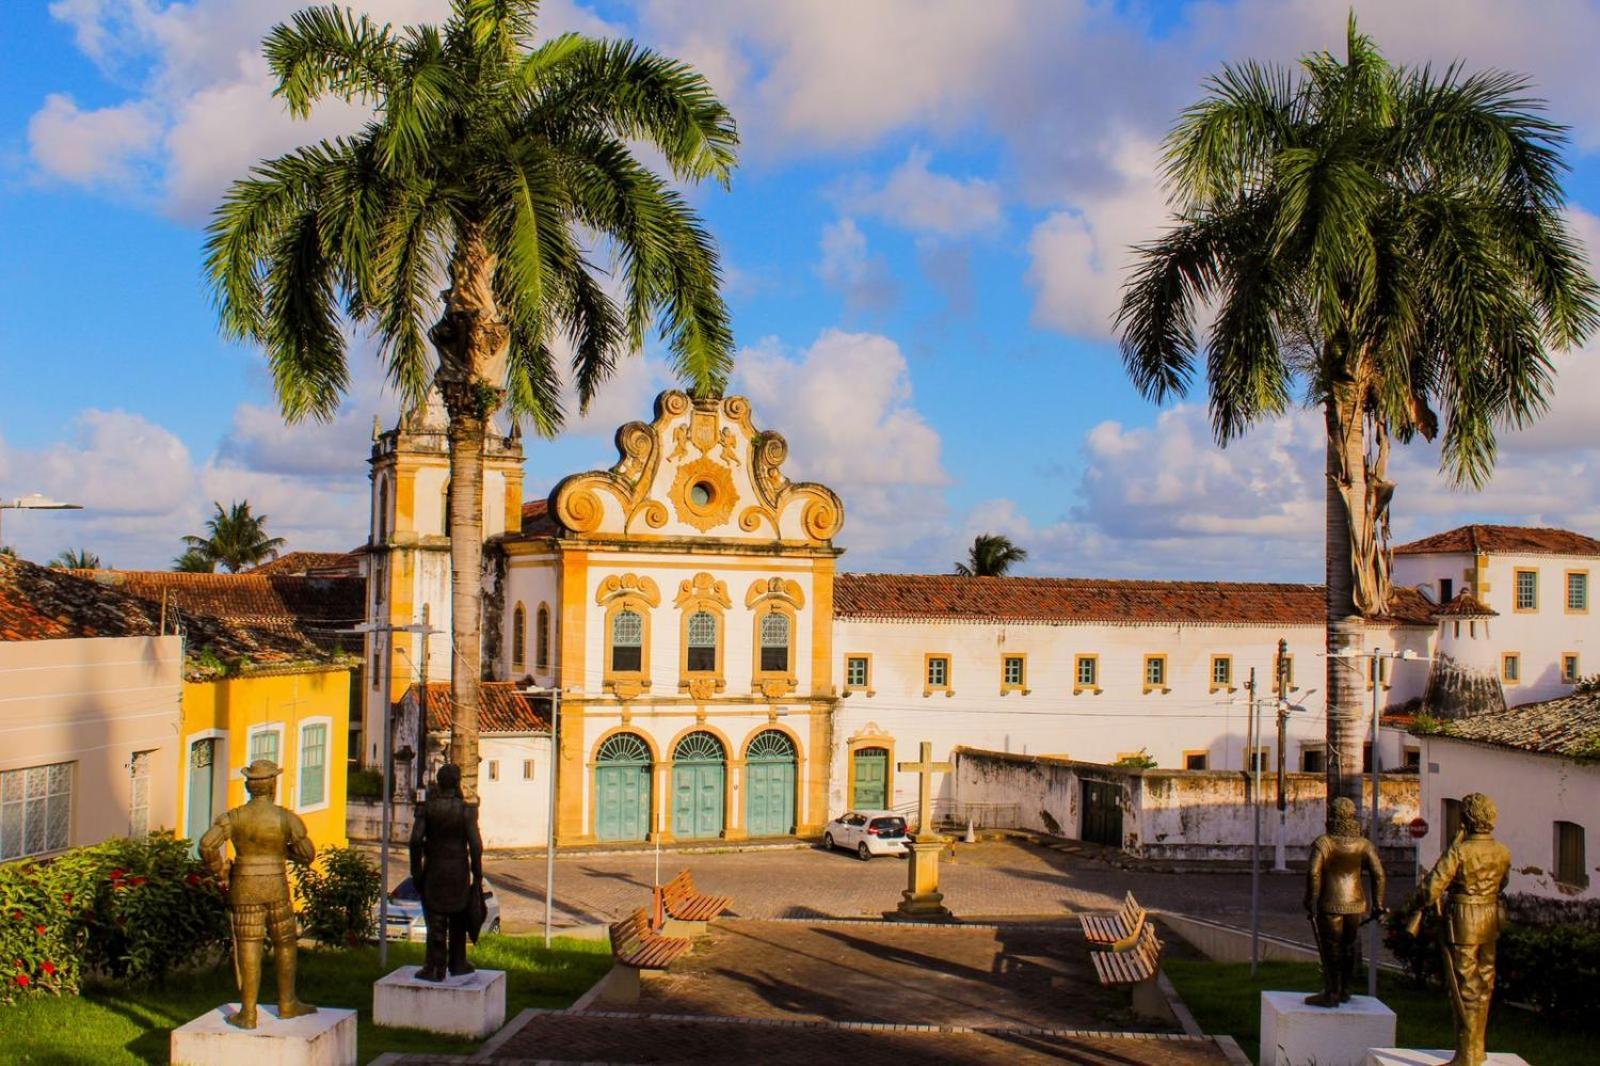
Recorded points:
(330,49)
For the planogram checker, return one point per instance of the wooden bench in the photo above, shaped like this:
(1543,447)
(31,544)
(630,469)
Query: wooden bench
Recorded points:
(1119,931)
(1138,968)
(635,947)
(687,910)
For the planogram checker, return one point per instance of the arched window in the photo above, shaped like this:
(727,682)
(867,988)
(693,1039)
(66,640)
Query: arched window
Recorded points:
(702,642)
(627,642)
(775,643)
(541,648)
(519,635)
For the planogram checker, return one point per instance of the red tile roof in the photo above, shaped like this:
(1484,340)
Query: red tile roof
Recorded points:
(1465,605)
(537,521)
(1567,725)
(310,564)
(1502,540)
(1066,599)
(501,709)
(268,600)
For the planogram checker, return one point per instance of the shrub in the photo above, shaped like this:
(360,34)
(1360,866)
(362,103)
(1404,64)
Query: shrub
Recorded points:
(1139,760)
(337,895)
(364,784)
(38,939)
(1417,955)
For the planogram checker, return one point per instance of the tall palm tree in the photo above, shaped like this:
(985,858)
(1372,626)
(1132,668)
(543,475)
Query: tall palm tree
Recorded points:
(75,559)
(991,555)
(503,168)
(237,539)
(1387,241)
(194,561)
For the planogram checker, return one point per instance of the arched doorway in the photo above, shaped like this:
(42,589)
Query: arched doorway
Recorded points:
(769,784)
(699,775)
(622,788)
(870,778)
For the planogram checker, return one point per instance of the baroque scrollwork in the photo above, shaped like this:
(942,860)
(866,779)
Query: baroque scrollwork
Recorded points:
(702,587)
(642,586)
(775,588)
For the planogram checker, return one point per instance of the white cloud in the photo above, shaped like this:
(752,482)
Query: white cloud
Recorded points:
(103,146)
(915,198)
(847,265)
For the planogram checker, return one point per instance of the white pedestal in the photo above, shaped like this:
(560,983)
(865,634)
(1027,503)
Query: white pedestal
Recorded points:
(1294,1033)
(326,1038)
(1400,1056)
(471,1005)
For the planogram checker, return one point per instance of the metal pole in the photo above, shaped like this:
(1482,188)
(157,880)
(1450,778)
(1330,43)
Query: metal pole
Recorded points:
(550,814)
(1280,859)
(388,776)
(421,762)
(1372,829)
(1254,764)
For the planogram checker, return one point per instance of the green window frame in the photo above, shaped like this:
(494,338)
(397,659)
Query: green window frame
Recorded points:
(313,764)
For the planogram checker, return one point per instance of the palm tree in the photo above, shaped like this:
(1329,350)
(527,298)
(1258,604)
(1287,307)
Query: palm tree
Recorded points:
(75,559)
(1387,241)
(194,561)
(237,539)
(991,555)
(507,167)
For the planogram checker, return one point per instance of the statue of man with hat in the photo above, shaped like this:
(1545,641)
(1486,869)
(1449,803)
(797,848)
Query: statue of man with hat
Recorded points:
(265,837)
(447,870)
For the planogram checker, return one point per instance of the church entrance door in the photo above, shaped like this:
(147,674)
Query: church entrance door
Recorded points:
(769,785)
(699,773)
(622,789)
(1102,814)
(871,786)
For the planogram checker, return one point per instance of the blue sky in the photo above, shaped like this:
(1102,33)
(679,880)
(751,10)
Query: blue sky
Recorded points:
(923,244)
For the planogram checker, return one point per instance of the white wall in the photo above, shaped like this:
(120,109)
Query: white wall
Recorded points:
(515,809)
(1532,793)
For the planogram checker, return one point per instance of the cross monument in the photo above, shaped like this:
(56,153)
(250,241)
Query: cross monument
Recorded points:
(925,768)
(922,901)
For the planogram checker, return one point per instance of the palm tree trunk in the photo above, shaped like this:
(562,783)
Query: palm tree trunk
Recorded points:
(1346,480)
(471,338)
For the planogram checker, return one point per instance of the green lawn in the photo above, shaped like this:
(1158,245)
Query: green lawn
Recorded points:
(110,1027)
(1225,999)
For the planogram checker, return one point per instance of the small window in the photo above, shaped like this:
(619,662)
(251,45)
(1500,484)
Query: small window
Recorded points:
(627,642)
(1366,758)
(1510,668)
(1087,671)
(313,765)
(1412,759)
(527,769)
(35,810)
(1286,664)
(494,769)
(857,671)
(1155,672)
(1221,671)
(702,653)
(541,657)
(1569,668)
(1577,591)
(1013,671)
(1527,590)
(1261,759)
(775,643)
(1571,866)
(1450,818)
(1312,760)
(519,635)
(1447,590)
(264,745)
(938,671)
(1194,760)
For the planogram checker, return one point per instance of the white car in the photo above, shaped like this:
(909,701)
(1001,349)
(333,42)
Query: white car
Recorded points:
(406,921)
(867,833)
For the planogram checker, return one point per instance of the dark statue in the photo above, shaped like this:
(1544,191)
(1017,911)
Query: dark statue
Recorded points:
(265,837)
(1337,901)
(1464,889)
(447,869)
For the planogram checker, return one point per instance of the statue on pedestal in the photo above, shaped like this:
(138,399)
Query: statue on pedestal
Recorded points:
(1336,898)
(265,838)
(447,869)
(1464,888)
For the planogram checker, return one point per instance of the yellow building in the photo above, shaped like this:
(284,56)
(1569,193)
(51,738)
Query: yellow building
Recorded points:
(299,717)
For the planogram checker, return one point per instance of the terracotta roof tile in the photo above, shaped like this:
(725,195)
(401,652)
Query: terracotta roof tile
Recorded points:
(537,521)
(1502,540)
(1465,605)
(1065,599)
(502,708)
(1569,726)
(270,600)
(310,564)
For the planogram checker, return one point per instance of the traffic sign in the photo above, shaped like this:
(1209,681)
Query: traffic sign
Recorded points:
(1419,828)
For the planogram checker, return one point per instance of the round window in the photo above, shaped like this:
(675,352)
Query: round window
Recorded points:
(701,493)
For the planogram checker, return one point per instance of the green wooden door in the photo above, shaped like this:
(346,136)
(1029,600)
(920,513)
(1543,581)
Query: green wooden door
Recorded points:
(622,789)
(202,784)
(1102,814)
(769,785)
(871,779)
(699,773)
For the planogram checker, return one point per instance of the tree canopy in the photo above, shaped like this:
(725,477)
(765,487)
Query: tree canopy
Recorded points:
(236,539)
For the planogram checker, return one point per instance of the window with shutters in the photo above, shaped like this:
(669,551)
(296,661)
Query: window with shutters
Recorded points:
(1577,592)
(776,633)
(266,742)
(1014,674)
(1570,673)
(1572,867)
(1221,672)
(1313,759)
(627,642)
(1086,674)
(1510,668)
(702,643)
(1155,673)
(936,673)
(313,793)
(35,810)
(857,672)
(1526,591)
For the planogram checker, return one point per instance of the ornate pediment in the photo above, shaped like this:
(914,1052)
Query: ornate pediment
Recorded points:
(775,588)
(700,468)
(642,586)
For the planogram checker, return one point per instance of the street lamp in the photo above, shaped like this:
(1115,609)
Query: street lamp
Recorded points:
(36,502)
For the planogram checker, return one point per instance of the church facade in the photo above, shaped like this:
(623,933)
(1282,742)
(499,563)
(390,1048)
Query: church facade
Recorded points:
(717,678)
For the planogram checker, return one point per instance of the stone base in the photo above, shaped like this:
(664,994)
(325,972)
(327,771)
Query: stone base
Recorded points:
(1400,1056)
(1294,1033)
(922,901)
(473,1005)
(326,1038)
(927,907)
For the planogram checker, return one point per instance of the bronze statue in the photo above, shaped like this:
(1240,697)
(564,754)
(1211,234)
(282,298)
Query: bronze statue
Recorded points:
(265,836)
(447,869)
(1464,888)
(1336,898)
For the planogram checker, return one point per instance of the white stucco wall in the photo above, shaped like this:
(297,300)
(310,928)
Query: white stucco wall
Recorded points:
(515,808)
(1532,793)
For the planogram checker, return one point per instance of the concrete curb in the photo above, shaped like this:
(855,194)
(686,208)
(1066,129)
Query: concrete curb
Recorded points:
(487,1049)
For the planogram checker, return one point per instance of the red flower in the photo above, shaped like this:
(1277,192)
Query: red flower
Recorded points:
(16,916)
(136,881)
(39,929)
(66,897)
(118,874)
(192,880)
(23,980)
(48,967)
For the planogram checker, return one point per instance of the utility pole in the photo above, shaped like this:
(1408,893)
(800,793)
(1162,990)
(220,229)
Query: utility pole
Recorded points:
(1375,669)
(1280,862)
(1253,782)
(421,762)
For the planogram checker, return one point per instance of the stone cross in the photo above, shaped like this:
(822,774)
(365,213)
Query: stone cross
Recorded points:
(925,768)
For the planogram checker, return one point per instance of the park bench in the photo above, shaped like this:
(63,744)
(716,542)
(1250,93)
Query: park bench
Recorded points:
(1119,931)
(1138,968)
(635,947)
(687,910)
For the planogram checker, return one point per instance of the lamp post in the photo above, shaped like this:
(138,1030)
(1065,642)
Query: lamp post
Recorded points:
(550,811)
(36,502)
